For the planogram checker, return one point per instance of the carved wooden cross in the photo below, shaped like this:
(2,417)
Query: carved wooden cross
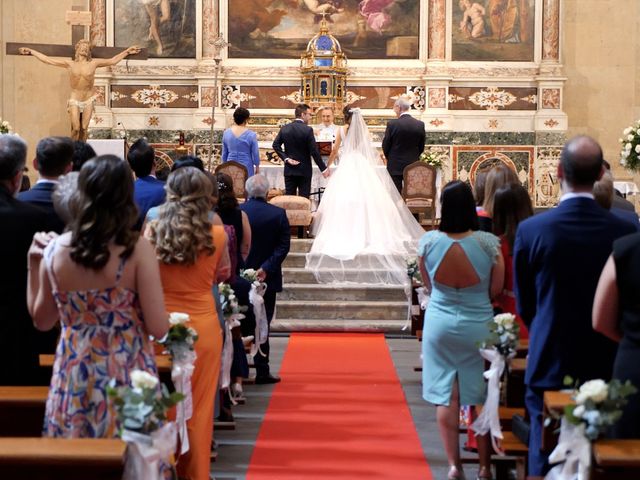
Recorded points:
(79,21)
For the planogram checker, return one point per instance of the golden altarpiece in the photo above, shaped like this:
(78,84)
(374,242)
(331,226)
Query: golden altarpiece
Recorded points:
(485,76)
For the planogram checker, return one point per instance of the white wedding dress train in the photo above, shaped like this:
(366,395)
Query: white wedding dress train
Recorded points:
(364,232)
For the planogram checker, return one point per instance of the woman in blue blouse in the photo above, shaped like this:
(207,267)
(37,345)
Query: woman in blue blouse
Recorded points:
(241,144)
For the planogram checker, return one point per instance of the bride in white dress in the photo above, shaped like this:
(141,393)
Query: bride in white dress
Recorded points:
(363,230)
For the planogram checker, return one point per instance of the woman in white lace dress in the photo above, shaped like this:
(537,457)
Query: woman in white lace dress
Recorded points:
(363,230)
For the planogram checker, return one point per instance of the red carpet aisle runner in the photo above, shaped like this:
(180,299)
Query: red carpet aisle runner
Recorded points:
(339,413)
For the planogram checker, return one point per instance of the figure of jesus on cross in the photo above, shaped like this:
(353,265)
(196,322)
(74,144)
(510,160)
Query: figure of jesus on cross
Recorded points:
(82,73)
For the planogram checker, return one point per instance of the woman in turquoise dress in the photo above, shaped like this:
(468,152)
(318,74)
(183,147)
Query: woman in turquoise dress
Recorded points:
(464,269)
(241,144)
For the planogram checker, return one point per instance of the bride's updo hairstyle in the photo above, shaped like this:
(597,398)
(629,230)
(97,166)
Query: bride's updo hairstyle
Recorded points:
(183,229)
(458,208)
(104,212)
(346,111)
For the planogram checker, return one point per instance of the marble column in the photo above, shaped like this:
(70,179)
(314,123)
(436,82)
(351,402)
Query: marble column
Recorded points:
(437,30)
(210,13)
(98,31)
(551,31)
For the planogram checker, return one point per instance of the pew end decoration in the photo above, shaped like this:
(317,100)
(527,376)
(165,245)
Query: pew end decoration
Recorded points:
(6,128)
(499,348)
(179,343)
(415,283)
(630,143)
(141,409)
(256,299)
(598,406)
(232,312)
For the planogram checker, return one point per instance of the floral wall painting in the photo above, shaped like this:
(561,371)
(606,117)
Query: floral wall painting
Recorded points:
(493,30)
(166,27)
(366,29)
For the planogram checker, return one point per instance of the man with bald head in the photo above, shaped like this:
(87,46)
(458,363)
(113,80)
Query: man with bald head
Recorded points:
(558,257)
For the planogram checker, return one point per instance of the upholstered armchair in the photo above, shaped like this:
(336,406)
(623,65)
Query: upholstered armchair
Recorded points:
(238,174)
(298,211)
(419,192)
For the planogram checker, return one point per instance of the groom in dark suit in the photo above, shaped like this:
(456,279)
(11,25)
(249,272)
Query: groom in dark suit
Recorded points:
(299,146)
(53,159)
(558,257)
(403,141)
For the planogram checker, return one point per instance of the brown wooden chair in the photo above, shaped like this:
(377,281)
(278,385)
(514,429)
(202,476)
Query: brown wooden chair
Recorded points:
(419,192)
(238,174)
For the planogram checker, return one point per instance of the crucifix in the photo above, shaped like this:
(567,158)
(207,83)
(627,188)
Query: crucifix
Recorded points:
(81,63)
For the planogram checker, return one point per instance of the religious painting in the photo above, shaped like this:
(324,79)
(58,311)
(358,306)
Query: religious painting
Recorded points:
(366,29)
(493,30)
(167,28)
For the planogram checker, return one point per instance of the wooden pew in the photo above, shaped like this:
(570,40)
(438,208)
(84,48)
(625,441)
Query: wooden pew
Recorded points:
(163,362)
(22,411)
(57,458)
(515,388)
(616,460)
(554,403)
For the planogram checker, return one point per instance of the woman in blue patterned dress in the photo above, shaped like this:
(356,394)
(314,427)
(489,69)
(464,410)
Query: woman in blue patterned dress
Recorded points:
(241,144)
(102,281)
(464,269)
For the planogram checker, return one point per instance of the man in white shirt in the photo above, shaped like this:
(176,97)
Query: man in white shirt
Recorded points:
(326,131)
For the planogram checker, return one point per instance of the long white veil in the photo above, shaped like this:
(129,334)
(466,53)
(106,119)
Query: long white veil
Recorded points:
(363,230)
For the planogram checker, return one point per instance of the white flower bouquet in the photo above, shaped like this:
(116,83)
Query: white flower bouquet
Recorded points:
(413,270)
(431,158)
(250,275)
(504,334)
(232,312)
(142,412)
(630,141)
(5,127)
(499,348)
(180,338)
(598,405)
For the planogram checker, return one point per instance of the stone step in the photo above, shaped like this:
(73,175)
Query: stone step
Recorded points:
(295,260)
(301,275)
(326,309)
(300,245)
(339,325)
(314,291)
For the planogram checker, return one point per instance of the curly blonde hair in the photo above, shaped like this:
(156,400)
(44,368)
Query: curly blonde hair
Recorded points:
(183,228)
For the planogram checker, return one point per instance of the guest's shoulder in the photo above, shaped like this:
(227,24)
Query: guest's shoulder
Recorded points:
(427,240)
(488,241)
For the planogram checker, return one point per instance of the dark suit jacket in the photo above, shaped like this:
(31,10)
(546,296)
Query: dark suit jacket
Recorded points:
(19,340)
(558,257)
(629,216)
(623,203)
(299,144)
(271,239)
(40,196)
(403,143)
(148,192)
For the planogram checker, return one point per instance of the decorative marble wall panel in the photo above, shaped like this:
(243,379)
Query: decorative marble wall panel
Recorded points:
(99,93)
(374,97)
(467,160)
(551,98)
(252,96)
(438,97)
(154,96)
(208,96)
(437,29)
(546,186)
(493,98)
(98,30)
(551,31)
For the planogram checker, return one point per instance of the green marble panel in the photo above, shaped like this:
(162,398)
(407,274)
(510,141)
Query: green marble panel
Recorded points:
(481,138)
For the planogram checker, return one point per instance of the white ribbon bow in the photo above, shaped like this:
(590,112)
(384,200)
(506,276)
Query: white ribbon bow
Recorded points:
(489,419)
(227,350)
(260,312)
(574,451)
(181,373)
(145,452)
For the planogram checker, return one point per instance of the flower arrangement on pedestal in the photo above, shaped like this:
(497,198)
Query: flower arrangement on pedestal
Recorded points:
(432,158)
(598,406)
(141,410)
(5,127)
(499,348)
(630,154)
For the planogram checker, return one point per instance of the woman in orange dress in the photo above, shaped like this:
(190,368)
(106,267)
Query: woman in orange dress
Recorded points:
(193,257)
